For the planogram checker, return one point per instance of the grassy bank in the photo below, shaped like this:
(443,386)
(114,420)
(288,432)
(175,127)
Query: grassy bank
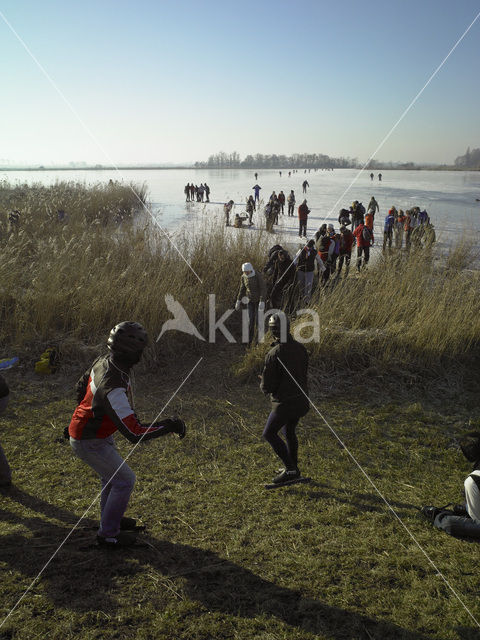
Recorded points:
(225,558)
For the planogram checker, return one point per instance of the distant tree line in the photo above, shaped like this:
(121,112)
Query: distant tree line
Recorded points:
(224,160)
(471,159)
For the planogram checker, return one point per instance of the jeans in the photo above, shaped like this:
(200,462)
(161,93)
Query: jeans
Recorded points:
(305,282)
(116,476)
(459,526)
(387,238)
(366,256)
(5,471)
(252,320)
(285,419)
(344,257)
(302,228)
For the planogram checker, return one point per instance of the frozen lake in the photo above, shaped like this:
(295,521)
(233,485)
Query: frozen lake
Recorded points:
(448,196)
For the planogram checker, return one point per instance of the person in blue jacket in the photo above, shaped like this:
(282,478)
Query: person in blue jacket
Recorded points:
(388,228)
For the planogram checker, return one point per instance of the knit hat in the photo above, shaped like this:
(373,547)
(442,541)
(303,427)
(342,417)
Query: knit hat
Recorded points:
(246,266)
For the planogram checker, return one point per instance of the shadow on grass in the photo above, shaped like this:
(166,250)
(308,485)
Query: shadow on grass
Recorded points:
(362,501)
(87,581)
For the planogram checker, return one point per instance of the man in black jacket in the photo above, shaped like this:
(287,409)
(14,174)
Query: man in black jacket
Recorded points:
(284,378)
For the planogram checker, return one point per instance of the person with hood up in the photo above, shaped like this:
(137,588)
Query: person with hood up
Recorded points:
(252,293)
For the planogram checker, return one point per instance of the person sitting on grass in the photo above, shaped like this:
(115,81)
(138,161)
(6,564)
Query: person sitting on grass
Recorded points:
(105,406)
(462,521)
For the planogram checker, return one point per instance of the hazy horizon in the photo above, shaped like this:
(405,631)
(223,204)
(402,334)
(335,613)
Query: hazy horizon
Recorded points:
(163,83)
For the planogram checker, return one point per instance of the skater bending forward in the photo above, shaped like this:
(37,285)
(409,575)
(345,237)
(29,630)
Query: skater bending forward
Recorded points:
(284,378)
(105,406)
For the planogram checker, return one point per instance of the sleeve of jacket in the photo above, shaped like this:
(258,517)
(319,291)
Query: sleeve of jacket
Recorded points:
(261,286)
(81,386)
(119,410)
(270,375)
(242,291)
(321,265)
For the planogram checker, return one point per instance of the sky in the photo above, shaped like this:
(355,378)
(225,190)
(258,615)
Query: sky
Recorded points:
(174,81)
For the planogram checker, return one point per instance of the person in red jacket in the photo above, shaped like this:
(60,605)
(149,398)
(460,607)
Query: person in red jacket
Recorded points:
(365,239)
(303,212)
(105,406)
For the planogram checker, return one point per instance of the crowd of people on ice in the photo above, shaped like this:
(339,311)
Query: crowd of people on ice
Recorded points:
(194,193)
(292,278)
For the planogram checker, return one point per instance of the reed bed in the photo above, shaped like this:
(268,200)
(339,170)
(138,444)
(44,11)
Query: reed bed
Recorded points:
(66,283)
(417,312)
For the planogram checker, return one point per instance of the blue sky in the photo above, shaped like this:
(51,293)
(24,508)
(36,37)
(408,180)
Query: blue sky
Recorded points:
(175,81)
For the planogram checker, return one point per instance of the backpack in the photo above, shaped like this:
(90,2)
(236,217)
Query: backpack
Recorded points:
(366,234)
(48,361)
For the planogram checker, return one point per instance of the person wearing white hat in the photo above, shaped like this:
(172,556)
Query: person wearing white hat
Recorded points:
(252,292)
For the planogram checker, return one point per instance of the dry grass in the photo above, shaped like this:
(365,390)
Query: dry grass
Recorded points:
(418,311)
(67,283)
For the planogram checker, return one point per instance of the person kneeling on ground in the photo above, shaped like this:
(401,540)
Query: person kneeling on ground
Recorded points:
(104,397)
(462,521)
(238,221)
(284,378)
